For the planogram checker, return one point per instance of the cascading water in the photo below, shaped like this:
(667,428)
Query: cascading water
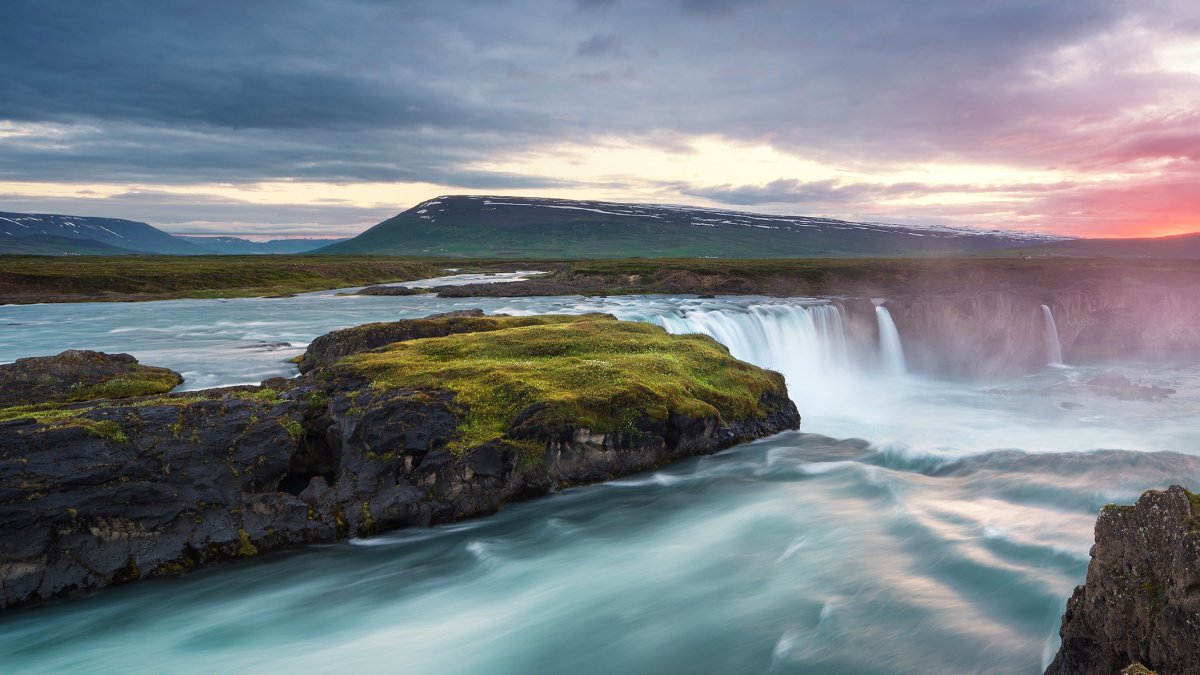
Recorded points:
(1053,345)
(805,343)
(891,351)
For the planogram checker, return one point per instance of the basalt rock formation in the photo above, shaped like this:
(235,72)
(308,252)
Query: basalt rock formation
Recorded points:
(79,375)
(1141,601)
(415,433)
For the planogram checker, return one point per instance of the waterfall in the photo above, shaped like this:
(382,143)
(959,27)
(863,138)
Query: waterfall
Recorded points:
(1050,335)
(891,351)
(805,343)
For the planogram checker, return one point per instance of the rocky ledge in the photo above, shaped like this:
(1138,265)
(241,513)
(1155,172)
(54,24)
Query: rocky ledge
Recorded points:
(417,432)
(1139,609)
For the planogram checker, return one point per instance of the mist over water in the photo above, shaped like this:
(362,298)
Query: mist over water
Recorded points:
(946,540)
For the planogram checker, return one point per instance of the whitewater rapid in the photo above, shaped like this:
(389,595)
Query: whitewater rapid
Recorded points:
(946,541)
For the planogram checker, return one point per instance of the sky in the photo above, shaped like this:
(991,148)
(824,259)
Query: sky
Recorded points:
(324,117)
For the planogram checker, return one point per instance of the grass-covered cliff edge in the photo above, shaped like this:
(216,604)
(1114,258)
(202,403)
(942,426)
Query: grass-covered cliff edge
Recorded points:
(423,431)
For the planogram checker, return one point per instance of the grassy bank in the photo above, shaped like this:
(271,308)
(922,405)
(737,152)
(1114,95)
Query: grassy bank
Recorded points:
(25,279)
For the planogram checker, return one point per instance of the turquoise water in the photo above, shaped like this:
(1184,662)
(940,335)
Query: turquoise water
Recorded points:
(947,541)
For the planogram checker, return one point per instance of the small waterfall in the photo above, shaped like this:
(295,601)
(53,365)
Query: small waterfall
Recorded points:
(1050,335)
(891,351)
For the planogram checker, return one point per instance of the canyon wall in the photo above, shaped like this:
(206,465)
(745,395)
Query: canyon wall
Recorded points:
(981,332)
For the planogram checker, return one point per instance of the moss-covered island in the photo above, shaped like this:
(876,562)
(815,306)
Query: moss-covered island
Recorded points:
(416,431)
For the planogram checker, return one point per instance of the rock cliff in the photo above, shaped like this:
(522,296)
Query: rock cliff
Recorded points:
(1141,601)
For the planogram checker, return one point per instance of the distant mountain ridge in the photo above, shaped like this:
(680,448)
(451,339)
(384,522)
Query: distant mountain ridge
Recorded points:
(520,227)
(239,246)
(1176,246)
(51,234)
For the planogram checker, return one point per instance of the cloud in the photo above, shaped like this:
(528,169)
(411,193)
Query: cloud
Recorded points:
(599,45)
(423,91)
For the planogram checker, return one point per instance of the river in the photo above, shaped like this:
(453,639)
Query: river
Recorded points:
(946,540)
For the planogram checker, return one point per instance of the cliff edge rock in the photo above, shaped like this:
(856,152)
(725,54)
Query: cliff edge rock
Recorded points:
(1141,601)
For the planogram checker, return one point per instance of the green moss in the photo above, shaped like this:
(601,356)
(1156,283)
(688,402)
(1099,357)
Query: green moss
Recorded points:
(592,372)
(108,429)
(293,427)
(44,413)
(73,412)
(263,395)
(246,549)
(145,381)
(367,521)
(317,401)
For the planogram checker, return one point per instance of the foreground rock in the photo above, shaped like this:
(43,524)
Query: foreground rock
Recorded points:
(1141,602)
(415,433)
(80,375)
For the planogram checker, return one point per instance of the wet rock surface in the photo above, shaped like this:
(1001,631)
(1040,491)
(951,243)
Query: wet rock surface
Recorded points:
(77,374)
(162,485)
(1141,601)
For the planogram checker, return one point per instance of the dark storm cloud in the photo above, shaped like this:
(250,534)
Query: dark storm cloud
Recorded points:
(350,90)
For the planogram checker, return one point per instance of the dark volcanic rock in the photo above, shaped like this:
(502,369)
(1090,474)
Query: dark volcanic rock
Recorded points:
(1141,600)
(390,290)
(162,485)
(77,375)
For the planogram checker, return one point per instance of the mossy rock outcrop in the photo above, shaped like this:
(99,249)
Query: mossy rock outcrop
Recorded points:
(425,431)
(81,375)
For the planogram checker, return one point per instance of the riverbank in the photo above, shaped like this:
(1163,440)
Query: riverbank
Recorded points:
(30,279)
(33,279)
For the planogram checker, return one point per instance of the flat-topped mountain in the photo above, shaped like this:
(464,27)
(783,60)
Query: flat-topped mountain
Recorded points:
(48,234)
(508,227)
